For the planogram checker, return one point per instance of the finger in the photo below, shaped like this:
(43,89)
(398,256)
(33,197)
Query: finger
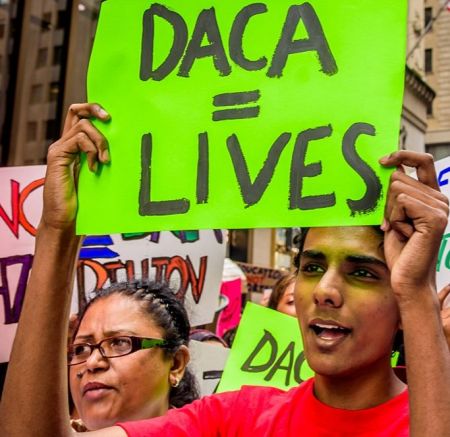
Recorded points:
(78,111)
(399,222)
(416,190)
(422,162)
(410,215)
(413,182)
(82,143)
(96,137)
(442,295)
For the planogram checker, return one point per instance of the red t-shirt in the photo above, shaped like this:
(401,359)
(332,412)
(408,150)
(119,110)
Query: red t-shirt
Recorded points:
(264,411)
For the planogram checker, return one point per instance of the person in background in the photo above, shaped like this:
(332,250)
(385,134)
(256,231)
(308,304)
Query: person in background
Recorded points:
(205,336)
(282,296)
(127,356)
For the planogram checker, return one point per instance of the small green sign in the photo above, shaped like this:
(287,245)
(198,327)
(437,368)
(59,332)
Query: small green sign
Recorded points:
(231,114)
(267,350)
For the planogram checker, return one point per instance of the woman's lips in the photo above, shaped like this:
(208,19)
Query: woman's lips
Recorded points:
(95,390)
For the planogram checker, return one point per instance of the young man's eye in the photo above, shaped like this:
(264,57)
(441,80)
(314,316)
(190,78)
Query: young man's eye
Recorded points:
(363,273)
(312,268)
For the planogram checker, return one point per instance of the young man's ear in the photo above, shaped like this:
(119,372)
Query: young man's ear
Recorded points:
(179,362)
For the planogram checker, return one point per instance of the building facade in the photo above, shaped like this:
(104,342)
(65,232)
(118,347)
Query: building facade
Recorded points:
(437,73)
(44,52)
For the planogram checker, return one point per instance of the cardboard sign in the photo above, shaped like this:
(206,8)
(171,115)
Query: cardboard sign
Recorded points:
(260,278)
(267,350)
(207,364)
(232,114)
(191,261)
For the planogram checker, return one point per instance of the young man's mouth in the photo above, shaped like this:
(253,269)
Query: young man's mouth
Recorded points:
(329,330)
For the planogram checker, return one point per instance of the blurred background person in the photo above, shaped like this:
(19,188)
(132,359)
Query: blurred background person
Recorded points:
(282,297)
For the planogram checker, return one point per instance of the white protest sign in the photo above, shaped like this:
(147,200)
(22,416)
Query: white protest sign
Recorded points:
(207,364)
(192,261)
(443,265)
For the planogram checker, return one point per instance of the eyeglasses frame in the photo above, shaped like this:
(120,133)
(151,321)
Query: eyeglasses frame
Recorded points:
(137,344)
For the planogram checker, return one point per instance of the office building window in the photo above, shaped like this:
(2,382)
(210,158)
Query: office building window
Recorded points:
(51,130)
(41,60)
(36,94)
(46,22)
(53,92)
(57,55)
(31,131)
(428,60)
(428,16)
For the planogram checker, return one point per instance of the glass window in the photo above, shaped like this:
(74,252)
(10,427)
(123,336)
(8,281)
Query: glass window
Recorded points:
(31,131)
(53,91)
(36,94)
(428,16)
(41,60)
(46,22)
(57,55)
(51,130)
(428,60)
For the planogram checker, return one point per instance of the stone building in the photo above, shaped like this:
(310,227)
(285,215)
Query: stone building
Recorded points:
(437,73)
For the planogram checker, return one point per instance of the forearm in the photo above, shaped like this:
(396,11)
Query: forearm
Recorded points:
(36,382)
(428,366)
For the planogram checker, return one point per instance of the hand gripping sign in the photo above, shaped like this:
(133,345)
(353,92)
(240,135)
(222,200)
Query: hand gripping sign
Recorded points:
(231,114)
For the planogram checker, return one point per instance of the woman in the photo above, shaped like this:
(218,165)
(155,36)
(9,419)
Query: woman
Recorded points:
(282,296)
(128,356)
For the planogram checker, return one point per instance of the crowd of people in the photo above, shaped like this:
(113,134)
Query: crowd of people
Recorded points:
(354,289)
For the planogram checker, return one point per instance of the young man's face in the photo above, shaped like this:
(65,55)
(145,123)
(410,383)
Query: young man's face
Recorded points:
(345,306)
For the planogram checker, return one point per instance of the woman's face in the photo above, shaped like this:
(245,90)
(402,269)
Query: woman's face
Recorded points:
(286,304)
(130,387)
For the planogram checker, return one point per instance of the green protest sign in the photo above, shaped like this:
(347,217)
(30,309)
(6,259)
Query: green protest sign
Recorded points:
(231,114)
(267,350)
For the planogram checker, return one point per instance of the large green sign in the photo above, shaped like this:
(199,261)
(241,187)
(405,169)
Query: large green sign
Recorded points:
(229,114)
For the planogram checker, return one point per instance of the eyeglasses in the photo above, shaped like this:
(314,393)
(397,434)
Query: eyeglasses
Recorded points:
(112,347)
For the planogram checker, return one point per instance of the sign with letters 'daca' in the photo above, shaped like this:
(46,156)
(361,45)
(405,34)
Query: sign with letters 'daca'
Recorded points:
(191,261)
(267,350)
(235,114)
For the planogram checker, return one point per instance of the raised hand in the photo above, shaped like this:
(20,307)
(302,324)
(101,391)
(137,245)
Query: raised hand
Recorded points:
(415,219)
(79,135)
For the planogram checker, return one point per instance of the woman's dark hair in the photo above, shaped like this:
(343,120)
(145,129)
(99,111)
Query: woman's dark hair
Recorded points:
(279,289)
(168,312)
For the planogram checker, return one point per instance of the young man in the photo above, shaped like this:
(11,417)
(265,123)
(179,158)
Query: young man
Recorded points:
(355,287)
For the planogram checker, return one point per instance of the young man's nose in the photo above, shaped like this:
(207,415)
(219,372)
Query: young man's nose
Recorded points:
(329,290)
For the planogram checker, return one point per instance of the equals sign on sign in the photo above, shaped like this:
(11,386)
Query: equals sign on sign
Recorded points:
(235,106)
